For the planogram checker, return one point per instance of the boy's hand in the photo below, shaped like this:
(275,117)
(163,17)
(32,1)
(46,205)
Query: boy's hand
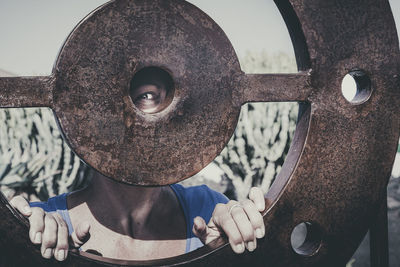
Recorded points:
(242,222)
(50,230)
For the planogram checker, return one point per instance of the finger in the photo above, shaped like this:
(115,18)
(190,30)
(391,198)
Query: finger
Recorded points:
(22,205)
(81,234)
(36,225)
(222,219)
(257,196)
(243,224)
(49,236)
(61,250)
(255,218)
(206,233)
(200,229)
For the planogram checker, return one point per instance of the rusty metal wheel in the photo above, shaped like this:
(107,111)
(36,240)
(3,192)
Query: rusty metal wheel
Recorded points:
(335,174)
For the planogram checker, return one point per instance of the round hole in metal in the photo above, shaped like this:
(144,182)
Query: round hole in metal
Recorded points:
(151,89)
(306,239)
(356,87)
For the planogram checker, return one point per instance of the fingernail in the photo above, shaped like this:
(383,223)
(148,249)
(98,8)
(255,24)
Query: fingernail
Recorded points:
(251,245)
(260,207)
(47,253)
(259,233)
(38,238)
(61,255)
(27,209)
(240,248)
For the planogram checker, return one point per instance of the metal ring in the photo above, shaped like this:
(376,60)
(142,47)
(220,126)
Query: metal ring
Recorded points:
(234,206)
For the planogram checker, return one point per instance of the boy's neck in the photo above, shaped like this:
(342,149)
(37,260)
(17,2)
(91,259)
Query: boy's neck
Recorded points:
(130,210)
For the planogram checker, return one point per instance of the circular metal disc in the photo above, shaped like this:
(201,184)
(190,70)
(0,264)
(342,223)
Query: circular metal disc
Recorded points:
(97,115)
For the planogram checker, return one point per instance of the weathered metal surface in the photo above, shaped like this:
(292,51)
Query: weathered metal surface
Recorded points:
(26,91)
(337,168)
(96,113)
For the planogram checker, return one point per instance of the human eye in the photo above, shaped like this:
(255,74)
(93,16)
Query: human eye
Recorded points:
(148,98)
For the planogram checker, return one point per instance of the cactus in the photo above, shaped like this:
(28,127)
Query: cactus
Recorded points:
(33,157)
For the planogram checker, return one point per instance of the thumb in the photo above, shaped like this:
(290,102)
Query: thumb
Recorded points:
(200,229)
(81,234)
(22,205)
(257,196)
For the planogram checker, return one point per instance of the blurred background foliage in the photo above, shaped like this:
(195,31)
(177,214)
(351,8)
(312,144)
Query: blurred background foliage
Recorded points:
(35,161)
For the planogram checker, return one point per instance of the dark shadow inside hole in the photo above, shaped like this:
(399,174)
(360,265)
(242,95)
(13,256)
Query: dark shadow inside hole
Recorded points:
(151,89)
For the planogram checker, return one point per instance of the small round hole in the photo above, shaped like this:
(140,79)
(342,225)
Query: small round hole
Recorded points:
(356,87)
(151,89)
(306,239)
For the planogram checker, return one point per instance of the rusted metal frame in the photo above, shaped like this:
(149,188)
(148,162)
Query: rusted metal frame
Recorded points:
(296,34)
(19,92)
(310,187)
(276,87)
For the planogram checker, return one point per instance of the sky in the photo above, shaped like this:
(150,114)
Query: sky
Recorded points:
(32,32)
